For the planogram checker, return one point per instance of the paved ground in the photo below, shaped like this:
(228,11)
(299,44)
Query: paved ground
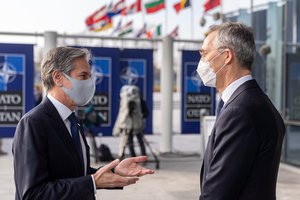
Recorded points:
(177,178)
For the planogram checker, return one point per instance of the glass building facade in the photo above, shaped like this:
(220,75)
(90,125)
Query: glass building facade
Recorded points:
(276,25)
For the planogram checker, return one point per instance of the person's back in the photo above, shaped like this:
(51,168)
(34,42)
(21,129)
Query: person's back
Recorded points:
(260,183)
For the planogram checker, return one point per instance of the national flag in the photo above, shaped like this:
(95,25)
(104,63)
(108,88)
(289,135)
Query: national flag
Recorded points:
(101,25)
(154,32)
(210,4)
(97,16)
(142,31)
(127,28)
(134,8)
(174,33)
(154,6)
(181,5)
(116,9)
(118,27)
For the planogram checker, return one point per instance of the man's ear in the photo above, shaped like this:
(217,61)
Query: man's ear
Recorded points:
(57,78)
(229,56)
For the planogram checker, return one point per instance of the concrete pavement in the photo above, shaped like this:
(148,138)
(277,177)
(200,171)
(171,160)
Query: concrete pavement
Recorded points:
(177,178)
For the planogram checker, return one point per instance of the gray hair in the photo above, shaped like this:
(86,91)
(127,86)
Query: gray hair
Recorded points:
(60,59)
(237,37)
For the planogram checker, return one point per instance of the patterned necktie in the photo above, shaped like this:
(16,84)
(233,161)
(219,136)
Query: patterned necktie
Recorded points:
(220,106)
(75,136)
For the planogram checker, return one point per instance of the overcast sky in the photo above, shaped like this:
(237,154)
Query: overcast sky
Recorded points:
(68,16)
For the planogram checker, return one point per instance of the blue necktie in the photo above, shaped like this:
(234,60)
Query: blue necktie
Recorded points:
(75,136)
(220,106)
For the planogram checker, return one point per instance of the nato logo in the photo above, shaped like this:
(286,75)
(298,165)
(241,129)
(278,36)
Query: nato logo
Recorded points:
(196,80)
(7,74)
(129,76)
(11,71)
(97,74)
(132,72)
(193,82)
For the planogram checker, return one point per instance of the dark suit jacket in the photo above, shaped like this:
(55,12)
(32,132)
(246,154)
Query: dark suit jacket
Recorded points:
(243,152)
(46,163)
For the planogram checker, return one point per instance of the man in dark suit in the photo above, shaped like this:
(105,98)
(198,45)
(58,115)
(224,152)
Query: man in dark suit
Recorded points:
(51,155)
(243,152)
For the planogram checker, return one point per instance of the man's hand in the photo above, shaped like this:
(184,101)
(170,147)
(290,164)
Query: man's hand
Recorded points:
(130,167)
(104,178)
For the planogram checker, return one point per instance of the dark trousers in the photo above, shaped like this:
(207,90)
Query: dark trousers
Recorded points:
(141,143)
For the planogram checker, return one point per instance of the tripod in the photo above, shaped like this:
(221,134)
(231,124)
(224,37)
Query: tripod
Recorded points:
(124,143)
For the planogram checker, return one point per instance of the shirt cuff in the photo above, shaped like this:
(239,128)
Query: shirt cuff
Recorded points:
(94,184)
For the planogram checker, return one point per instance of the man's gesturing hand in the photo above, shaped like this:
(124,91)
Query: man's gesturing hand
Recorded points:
(130,167)
(104,178)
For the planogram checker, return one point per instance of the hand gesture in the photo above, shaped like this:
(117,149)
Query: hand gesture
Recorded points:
(130,167)
(105,178)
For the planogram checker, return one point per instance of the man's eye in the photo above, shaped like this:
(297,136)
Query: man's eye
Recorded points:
(82,77)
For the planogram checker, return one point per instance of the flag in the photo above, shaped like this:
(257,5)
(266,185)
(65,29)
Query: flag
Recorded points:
(97,16)
(116,9)
(142,31)
(174,33)
(127,28)
(154,6)
(133,8)
(101,25)
(118,27)
(181,5)
(210,4)
(154,32)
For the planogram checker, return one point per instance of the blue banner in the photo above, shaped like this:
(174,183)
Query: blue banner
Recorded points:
(136,68)
(16,85)
(196,99)
(114,68)
(105,67)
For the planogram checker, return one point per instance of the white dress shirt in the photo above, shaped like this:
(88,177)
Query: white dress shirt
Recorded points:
(233,86)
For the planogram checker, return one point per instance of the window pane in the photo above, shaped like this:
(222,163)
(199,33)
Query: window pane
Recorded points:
(293,145)
(293,85)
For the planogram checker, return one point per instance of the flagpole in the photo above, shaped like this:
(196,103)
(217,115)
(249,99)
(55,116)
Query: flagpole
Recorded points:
(222,14)
(192,20)
(166,18)
(143,12)
(251,13)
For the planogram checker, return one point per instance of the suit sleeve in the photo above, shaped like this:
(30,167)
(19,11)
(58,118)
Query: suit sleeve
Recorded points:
(31,171)
(234,150)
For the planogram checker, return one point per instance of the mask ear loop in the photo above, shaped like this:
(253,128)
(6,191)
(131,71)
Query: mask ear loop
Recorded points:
(216,55)
(222,65)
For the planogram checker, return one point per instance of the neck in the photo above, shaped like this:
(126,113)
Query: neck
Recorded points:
(231,76)
(60,96)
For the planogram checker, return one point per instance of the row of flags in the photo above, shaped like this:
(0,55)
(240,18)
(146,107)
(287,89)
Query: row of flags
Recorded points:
(101,19)
(146,30)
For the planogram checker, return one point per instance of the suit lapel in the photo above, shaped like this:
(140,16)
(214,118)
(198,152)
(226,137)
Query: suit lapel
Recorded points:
(61,130)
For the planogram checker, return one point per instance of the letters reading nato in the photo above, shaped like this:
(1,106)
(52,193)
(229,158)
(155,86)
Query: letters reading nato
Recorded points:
(243,151)
(51,155)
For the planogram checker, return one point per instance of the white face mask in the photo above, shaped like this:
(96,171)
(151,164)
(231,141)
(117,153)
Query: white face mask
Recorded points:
(82,91)
(207,75)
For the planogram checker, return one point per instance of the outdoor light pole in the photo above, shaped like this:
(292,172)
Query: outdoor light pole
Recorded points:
(50,38)
(251,13)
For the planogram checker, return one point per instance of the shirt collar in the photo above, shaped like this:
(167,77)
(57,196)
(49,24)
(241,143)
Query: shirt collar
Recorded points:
(62,110)
(233,86)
